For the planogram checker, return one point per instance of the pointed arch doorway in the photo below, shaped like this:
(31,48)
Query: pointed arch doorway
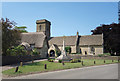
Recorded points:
(52,53)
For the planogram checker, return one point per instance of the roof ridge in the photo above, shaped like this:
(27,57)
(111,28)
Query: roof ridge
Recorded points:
(34,33)
(92,35)
(65,36)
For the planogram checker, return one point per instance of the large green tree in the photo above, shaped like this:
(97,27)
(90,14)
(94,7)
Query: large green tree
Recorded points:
(10,36)
(111,36)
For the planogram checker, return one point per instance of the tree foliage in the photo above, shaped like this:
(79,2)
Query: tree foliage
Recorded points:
(21,29)
(111,37)
(21,51)
(17,51)
(10,36)
(35,52)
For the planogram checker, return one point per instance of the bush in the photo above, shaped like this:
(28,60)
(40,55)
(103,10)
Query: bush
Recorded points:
(75,60)
(16,51)
(50,60)
(79,60)
(100,55)
(60,61)
(35,52)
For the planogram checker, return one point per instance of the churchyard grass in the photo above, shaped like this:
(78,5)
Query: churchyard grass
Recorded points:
(38,67)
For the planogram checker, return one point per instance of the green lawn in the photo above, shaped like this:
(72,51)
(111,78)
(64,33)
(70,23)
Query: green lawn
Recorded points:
(51,66)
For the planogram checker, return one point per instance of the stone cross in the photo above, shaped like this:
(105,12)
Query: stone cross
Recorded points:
(63,51)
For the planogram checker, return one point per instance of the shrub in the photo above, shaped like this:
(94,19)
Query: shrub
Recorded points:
(60,61)
(79,60)
(50,60)
(35,52)
(100,55)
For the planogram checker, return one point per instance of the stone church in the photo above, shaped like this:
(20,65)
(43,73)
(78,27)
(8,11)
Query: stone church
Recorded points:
(47,45)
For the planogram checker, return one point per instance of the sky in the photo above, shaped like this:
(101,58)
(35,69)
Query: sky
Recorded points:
(66,17)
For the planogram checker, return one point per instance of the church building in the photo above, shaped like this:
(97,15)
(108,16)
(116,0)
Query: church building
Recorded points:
(47,45)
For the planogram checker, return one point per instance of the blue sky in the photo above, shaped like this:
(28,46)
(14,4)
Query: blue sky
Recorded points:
(66,17)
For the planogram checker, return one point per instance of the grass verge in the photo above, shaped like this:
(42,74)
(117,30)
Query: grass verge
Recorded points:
(38,67)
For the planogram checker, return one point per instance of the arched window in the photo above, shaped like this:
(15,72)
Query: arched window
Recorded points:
(80,51)
(52,53)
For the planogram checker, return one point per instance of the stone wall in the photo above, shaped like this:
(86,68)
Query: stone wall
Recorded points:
(93,57)
(73,49)
(98,50)
(44,50)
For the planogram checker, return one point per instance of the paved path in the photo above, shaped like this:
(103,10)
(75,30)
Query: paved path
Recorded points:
(93,72)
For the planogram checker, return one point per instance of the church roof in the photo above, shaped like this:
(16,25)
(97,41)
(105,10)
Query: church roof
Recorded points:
(91,40)
(83,40)
(69,40)
(36,38)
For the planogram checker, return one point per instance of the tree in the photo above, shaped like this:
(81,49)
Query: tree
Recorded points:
(10,36)
(21,29)
(111,36)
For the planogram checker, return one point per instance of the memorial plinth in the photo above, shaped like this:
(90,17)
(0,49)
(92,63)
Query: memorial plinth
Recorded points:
(63,55)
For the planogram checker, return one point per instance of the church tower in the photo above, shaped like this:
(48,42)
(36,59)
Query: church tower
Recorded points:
(43,26)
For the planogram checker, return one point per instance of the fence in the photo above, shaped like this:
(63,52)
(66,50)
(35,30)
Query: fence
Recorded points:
(7,60)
